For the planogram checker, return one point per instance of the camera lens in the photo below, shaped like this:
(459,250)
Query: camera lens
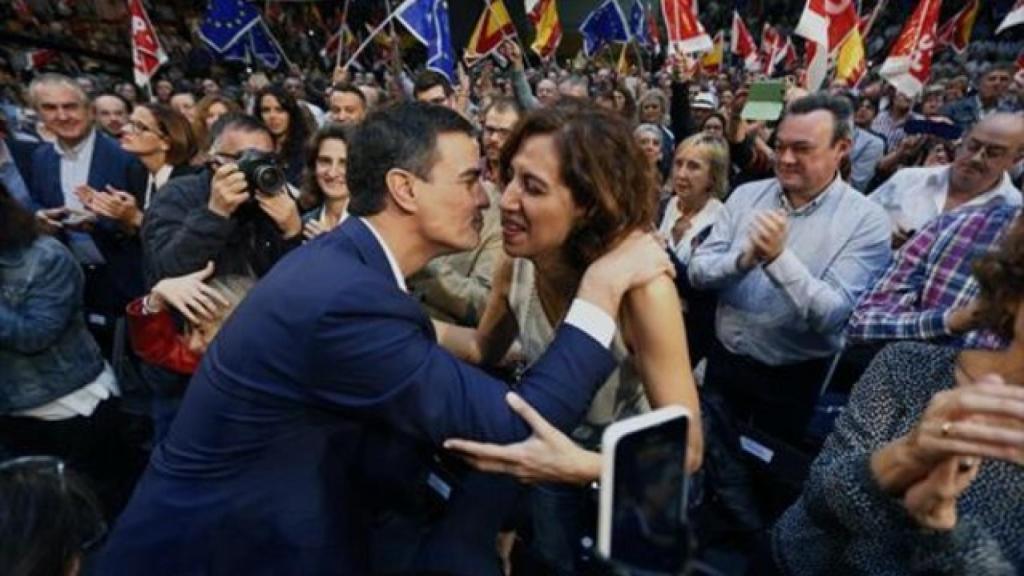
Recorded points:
(268,180)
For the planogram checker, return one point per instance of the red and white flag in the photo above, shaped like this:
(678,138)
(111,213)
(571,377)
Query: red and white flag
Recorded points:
(741,43)
(686,34)
(773,48)
(146,51)
(826,23)
(910,62)
(790,60)
(1015,17)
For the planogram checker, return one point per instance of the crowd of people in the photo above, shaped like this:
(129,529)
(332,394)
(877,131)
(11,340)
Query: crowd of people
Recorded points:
(377,322)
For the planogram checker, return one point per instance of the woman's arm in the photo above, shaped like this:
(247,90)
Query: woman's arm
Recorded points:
(488,342)
(654,329)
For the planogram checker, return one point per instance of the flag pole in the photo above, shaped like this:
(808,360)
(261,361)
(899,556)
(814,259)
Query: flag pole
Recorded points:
(370,37)
(341,35)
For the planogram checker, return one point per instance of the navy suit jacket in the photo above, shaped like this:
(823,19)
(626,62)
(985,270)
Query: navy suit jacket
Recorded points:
(110,290)
(264,470)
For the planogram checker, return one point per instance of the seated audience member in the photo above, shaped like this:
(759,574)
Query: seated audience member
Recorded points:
(978,174)
(788,258)
(923,473)
(928,293)
(214,215)
(205,307)
(326,192)
(993,84)
(57,394)
(162,140)
(82,156)
(573,173)
(290,125)
(455,288)
(347,104)
(49,518)
(111,111)
(261,419)
(889,123)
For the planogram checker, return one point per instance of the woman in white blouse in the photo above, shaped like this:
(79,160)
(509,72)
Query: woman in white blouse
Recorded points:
(700,178)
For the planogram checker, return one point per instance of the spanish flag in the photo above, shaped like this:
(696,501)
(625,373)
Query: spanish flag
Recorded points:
(851,61)
(711,62)
(493,27)
(544,15)
(957,32)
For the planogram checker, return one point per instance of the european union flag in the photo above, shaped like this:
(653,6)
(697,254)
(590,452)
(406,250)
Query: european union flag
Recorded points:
(263,46)
(427,20)
(226,23)
(604,25)
(638,23)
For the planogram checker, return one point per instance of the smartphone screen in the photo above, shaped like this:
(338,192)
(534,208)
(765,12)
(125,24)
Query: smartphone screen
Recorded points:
(648,521)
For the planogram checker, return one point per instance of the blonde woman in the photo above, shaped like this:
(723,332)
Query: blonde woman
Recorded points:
(699,180)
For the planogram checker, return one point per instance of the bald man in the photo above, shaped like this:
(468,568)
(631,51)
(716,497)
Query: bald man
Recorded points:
(977,176)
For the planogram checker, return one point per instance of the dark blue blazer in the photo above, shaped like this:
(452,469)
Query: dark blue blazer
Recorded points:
(110,289)
(265,468)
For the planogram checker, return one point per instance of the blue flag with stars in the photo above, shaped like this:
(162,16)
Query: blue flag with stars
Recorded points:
(226,23)
(638,23)
(263,45)
(606,24)
(427,20)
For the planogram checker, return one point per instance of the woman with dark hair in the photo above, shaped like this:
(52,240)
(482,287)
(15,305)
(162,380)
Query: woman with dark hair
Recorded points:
(924,473)
(624,102)
(325,194)
(715,124)
(57,393)
(290,126)
(161,138)
(577,182)
(49,518)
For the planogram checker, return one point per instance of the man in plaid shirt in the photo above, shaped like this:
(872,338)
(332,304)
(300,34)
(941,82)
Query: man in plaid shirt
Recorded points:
(927,293)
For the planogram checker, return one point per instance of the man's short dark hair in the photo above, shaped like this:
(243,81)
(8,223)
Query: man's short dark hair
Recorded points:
(240,122)
(349,88)
(403,136)
(127,105)
(838,106)
(427,79)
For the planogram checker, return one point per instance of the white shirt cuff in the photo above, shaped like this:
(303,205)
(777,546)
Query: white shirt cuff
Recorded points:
(593,321)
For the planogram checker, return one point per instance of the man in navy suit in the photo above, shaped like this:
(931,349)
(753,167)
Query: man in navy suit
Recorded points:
(82,156)
(266,469)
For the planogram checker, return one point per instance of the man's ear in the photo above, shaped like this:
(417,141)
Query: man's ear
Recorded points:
(400,188)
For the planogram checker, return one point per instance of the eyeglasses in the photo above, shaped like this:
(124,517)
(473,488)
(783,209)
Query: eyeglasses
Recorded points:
(991,151)
(136,126)
(93,527)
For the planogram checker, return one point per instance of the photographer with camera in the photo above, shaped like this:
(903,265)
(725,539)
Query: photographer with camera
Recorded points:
(234,213)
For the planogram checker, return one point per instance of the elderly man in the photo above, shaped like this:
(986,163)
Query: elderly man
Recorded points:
(276,461)
(83,160)
(789,257)
(993,85)
(978,175)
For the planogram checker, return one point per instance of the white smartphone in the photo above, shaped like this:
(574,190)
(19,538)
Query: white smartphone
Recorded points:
(642,514)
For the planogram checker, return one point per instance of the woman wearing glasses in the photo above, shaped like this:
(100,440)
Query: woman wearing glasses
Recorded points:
(162,140)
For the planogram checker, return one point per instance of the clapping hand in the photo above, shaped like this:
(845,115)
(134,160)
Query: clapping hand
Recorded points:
(115,204)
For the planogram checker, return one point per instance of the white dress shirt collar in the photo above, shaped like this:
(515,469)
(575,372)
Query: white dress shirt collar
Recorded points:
(399,278)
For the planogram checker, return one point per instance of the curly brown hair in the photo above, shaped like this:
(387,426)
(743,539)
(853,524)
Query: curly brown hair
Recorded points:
(1000,276)
(603,167)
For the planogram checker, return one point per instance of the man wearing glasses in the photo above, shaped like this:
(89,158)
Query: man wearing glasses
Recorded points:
(977,176)
(214,216)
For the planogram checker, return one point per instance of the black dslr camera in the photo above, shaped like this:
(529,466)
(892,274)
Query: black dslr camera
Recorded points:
(262,173)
